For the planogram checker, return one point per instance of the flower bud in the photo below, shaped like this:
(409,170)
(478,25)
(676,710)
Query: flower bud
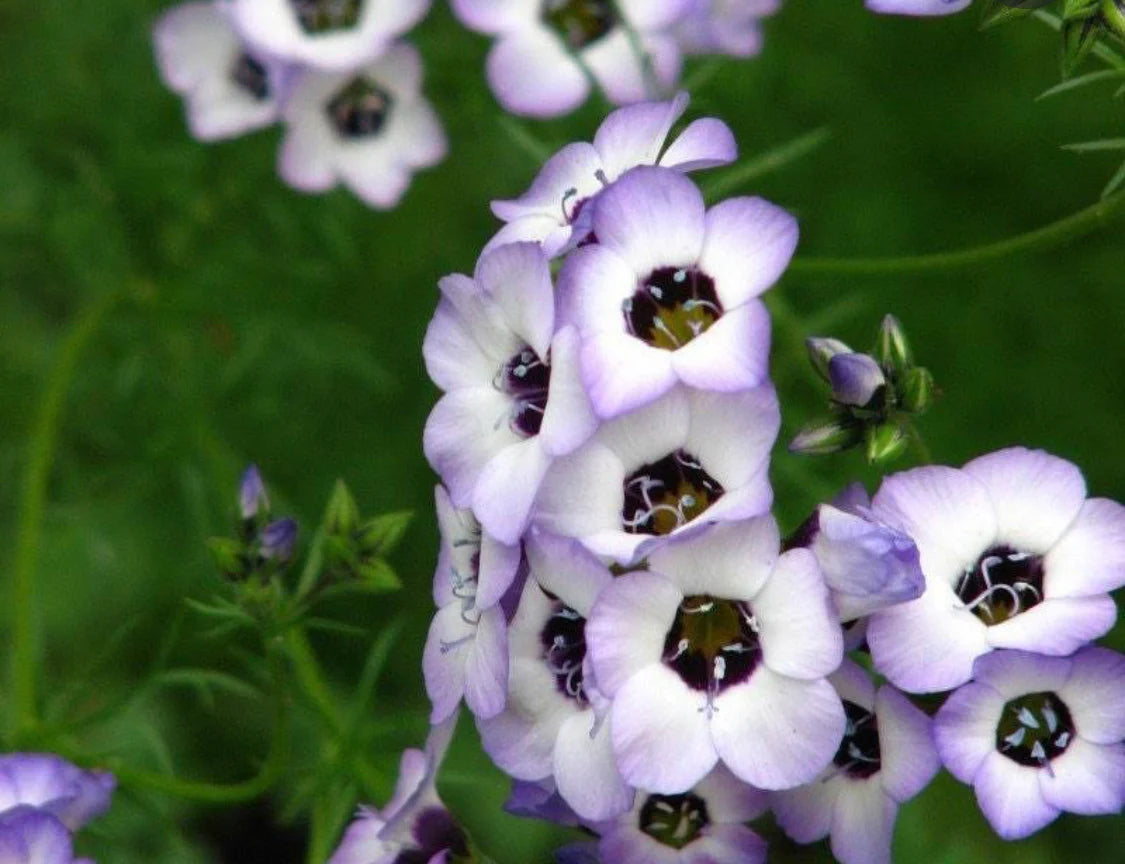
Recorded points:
(893,351)
(1113,13)
(228,557)
(856,379)
(343,514)
(885,442)
(826,436)
(278,539)
(821,352)
(916,390)
(252,497)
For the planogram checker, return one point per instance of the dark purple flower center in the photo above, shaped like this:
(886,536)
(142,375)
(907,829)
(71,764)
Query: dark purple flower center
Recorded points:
(674,820)
(1034,729)
(580,22)
(1003,583)
(564,649)
(435,831)
(672,306)
(359,109)
(527,379)
(326,16)
(858,755)
(805,533)
(251,76)
(663,495)
(712,643)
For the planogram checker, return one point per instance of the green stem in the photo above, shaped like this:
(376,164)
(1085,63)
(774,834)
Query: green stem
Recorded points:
(309,678)
(764,163)
(921,448)
(648,71)
(1102,51)
(1076,225)
(44,432)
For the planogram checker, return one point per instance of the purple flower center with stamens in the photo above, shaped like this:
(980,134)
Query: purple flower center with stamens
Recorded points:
(564,650)
(1003,583)
(359,109)
(527,379)
(672,306)
(1034,729)
(580,22)
(663,495)
(325,16)
(435,831)
(712,643)
(858,755)
(674,820)
(251,76)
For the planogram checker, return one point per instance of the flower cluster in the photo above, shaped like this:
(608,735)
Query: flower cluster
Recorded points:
(643,652)
(335,73)
(547,52)
(43,800)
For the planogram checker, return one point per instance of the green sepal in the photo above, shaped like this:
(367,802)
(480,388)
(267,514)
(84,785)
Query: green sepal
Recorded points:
(893,350)
(1113,13)
(997,12)
(342,514)
(825,436)
(229,557)
(1079,38)
(916,390)
(380,534)
(884,442)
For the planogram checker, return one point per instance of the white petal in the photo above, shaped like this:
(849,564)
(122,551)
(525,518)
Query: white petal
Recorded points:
(506,488)
(965,729)
(569,418)
(732,433)
(1056,626)
(564,567)
(486,666)
(635,135)
(586,771)
(805,812)
(621,373)
(863,824)
(531,74)
(1095,694)
(1010,798)
(518,279)
(582,494)
(731,560)
(748,245)
(1090,556)
(1087,778)
(733,354)
(705,143)
(909,759)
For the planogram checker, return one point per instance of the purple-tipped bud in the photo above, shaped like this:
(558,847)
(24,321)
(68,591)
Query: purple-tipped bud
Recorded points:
(252,497)
(822,350)
(278,539)
(826,436)
(855,378)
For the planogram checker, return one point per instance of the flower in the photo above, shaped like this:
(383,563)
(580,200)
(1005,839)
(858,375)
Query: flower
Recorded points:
(552,723)
(32,836)
(885,757)
(701,825)
(667,294)
(917,7)
(1014,555)
(544,47)
(252,496)
(229,90)
(689,457)
(368,128)
(415,825)
(329,34)
(466,653)
(555,210)
(53,785)
(719,651)
(725,26)
(540,799)
(867,565)
(514,400)
(1038,735)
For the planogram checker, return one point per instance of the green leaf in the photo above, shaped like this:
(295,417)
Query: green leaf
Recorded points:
(1115,182)
(1095,146)
(207,680)
(1081,81)
(342,514)
(381,534)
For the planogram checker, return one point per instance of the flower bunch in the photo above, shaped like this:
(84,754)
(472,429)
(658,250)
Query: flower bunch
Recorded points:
(547,52)
(43,800)
(643,653)
(336,73)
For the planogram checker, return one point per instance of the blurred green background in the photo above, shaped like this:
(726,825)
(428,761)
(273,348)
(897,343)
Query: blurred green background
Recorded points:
(266,326)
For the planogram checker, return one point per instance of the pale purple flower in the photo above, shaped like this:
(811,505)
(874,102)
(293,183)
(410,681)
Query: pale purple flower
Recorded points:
(514,399)
(885,757)
(252,496)
(555,211)
(856,379)
(668,292)
(50,783)
(415,825)
(690,457)
(719,651)
(540,799)
(917,7)
(538,65)
(1014,555)
(701,825)
(368,128)
(32,836)
(466,652)
(553,723)
(329,34)
(729,27)
(228,89)
(867,564)
(1038,735)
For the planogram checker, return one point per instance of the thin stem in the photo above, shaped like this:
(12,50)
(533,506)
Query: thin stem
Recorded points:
(44,432)
(310,679)
(648,70)
(1102,51)
(764,163)
(921,448)
(1076,225)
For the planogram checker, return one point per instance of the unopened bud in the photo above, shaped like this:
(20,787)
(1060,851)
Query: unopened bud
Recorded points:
(893,351)
(343,514)
(821,352)
(228,557)
(916,390)
(1113,13)
(856,379)
(252,497)
(826,436)
(885,442)
(278,539)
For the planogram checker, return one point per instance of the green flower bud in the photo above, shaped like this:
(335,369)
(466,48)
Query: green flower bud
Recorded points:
(885,442)
(893,351)
(916,390)
(342,515)
(229,557)
(1080,35)
(1113,13)
(826,436)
